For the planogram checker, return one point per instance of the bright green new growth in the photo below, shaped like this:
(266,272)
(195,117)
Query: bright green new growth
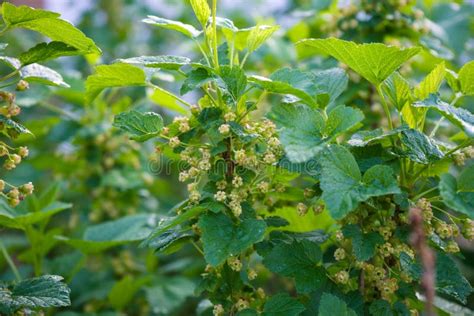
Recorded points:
(375,62)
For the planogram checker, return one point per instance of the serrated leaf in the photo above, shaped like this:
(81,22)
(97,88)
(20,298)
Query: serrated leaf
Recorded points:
(142,126)
(44,291)
(431,82)
(299,128)
(344,187)
(167,223)
(163,62)
(282,305)
(288,81)
(375,61)
(102,236)
(298,260)
(18,219)
(419,147)
(222,238)
(43,75)
(458,116)
(341,119)
(332,82)
(459,194)
(363,245)
(331,305)
(365,138)
(259,35)
(397,89)
(196,79)
(49,24)
(186,29)
(449,279)
(201,10)
(8,123)
(47,51)
(466,78)
(115,75)
(234,80)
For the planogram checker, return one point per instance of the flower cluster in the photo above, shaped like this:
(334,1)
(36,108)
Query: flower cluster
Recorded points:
(396,18)
(12,156)
(383,273)
(245,151)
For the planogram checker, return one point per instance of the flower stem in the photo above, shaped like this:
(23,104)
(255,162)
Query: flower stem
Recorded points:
(10,261)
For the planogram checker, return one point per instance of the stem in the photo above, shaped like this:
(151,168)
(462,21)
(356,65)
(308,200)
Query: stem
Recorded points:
(10,261)
(203,53)
(171,95)
(11,74)
(244,59)
(197,247)
(59,111)
(425,193)
(4,30)
(214,31)
(385,106)
(446,155)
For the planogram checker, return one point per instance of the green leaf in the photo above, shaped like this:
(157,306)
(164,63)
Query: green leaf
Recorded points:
(332,82)
(449,279)
(186,29)
(419,147)
(196,79)
(397,89)
(115,75)
(167,223)
(341,119)
(381,308)
(466,78)
(431,83)
(163,62)
(47,51)
(331,305)
(289,82)
(123,291)
(127,229)
(259,35)
(10,124)
(344,187)
(299,128)
(17,219)
(363,245)
(201,10)
(169,294)
(49,24)
(142,126)
(458,116)
(298,260)
(365,138)
(44,291)
(459,194)
(234,80)
(282,305)
(43,75)
(375,61)
(222,238)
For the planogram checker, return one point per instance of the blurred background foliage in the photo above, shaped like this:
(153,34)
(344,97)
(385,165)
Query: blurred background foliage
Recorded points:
(76,156)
